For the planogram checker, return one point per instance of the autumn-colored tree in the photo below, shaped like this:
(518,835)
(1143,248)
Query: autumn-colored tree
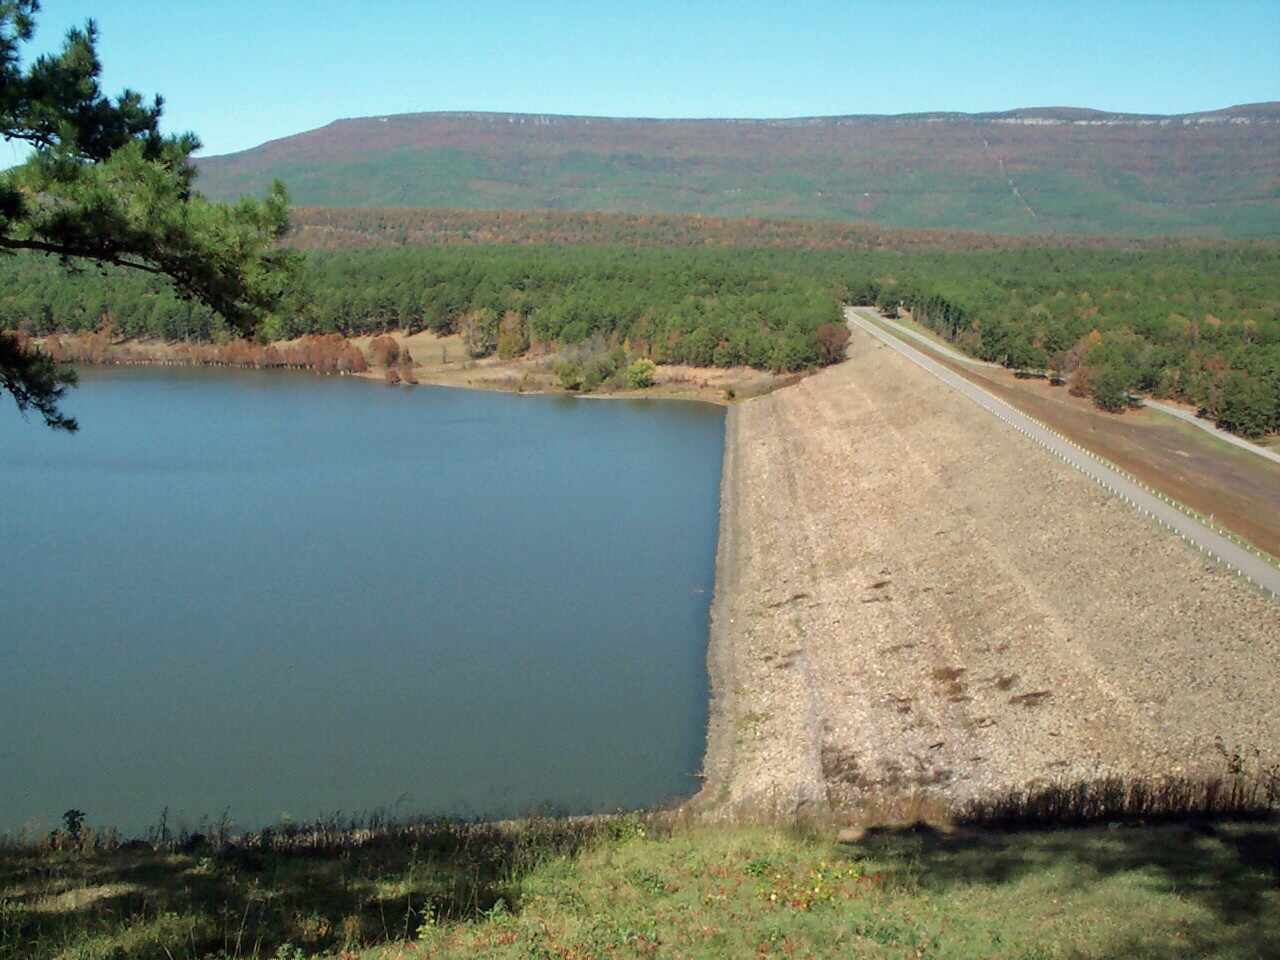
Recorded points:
(513,335)
(1080,382)
(383,351)
(832,339)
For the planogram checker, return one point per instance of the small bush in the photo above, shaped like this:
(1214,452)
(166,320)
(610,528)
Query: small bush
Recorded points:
(640,374)
(588,365)
(832,339)
(569,374)
(595,372)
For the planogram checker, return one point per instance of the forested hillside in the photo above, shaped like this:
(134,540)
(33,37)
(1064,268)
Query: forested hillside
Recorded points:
(1042,172)
(342,228)
(1201,325)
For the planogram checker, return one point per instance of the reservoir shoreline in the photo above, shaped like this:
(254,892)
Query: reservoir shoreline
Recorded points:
(433,361)
(911,600)
(718,764)
(522,586)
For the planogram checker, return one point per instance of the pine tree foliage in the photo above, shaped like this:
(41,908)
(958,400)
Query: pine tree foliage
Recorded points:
(103,184)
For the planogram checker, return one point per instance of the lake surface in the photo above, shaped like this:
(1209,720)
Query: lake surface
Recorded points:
(279,594)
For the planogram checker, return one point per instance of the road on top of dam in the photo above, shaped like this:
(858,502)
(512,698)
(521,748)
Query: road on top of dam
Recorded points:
(1197,534)
(1181,413)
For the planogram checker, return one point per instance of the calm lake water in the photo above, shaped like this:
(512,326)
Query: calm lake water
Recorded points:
(272,593)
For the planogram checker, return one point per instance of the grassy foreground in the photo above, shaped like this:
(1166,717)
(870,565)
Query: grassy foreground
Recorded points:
(643,887)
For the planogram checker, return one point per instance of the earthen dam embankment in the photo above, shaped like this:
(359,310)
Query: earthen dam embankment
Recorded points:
(911,597)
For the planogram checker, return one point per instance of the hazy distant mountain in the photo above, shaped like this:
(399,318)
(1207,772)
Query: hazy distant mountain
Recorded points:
(1050,170)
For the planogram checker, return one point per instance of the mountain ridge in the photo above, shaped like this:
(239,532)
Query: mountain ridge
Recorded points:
(1035,170)
(1246,113)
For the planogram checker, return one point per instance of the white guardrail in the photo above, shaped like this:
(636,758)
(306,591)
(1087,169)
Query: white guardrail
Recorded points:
(1256,571)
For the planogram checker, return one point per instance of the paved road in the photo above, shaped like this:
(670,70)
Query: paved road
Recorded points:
(1190,529)
(1178,412)
(949,352)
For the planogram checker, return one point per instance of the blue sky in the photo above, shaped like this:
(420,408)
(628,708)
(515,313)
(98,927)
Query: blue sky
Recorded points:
(239,73)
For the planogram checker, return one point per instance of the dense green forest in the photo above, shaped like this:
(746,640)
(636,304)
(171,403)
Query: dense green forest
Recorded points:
(1197,324)
(673,306)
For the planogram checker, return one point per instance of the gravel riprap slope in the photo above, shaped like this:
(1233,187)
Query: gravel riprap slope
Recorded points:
(911,596)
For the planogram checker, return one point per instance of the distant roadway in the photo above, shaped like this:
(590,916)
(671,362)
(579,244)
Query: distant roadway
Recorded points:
(1190,529)
(1173,411)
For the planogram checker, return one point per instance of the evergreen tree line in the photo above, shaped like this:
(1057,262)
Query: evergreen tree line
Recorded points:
(674,306)
(1195,324)
(1200,326)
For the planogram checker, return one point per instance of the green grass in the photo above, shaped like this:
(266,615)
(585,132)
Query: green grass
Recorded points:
(1196,435)
(648,887)
(321,893)
(725,892)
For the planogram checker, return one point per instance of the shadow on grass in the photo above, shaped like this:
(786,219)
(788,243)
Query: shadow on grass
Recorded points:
(1229,870)
(248,899)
